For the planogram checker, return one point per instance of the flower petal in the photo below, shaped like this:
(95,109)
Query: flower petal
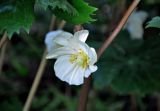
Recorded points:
(93,56)
(87,73)
(89,70)
(89,51)
(61,41)
(77,77)
(49,38)
(59,52)
(68,72)
(81,35)
(63,67)
(62,38)
(65,34)
(93,68)
(83,46)
(73,44)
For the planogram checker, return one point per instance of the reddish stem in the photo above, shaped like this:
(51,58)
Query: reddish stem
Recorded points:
(118,28)
(86,86)
(82,103)
(133,102)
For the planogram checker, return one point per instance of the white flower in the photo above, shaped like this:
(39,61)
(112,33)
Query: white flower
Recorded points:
(51,36)
(75,59)
(135,24)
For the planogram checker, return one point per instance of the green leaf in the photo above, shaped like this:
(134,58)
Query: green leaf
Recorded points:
(64,5)
(72,11)
(83,9)
(152,1)
(130,66)
(16,14)
(52,104)
(155,22)
(19,67)
(13,104)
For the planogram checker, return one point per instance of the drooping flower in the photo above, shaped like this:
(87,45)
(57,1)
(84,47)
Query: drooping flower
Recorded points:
(75,59)
(135,24)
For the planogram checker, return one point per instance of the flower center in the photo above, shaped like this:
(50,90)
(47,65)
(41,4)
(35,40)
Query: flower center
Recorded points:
(81,58)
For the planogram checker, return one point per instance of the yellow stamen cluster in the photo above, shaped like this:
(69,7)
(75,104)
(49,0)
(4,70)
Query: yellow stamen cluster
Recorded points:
(81,58)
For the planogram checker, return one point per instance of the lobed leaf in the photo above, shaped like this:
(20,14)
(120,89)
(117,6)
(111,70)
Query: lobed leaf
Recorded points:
(83,16)
(16,14)
(64,5)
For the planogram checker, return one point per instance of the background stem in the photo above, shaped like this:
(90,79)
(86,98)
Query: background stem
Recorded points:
(118,28)
(2,55)
(86,86)
(36,82)
(133,102)
(3,39)
(157,95)
(39,71)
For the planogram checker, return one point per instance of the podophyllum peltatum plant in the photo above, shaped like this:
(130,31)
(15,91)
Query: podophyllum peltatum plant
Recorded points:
(128,66)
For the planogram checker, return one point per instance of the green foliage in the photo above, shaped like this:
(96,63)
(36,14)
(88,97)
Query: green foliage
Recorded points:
(84,12)
(155,22)
(53,100)
(104,101)
(73,11)
(13,104)
(56,99)
(19,67)
(97,104)
(60,4)
(16,14)
(152,1)
(130,66)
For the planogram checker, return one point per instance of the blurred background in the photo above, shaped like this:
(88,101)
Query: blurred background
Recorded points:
(128,76)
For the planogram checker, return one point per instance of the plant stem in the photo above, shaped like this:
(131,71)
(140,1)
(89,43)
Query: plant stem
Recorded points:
(78,28)
(133,102)
(3,39)
(52,23)
(36,82)
(158,100)
(38,76)
(3,45)
(62,24)
(82,103)
(39,71)
(86,86)
(2,55)
(118,28)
